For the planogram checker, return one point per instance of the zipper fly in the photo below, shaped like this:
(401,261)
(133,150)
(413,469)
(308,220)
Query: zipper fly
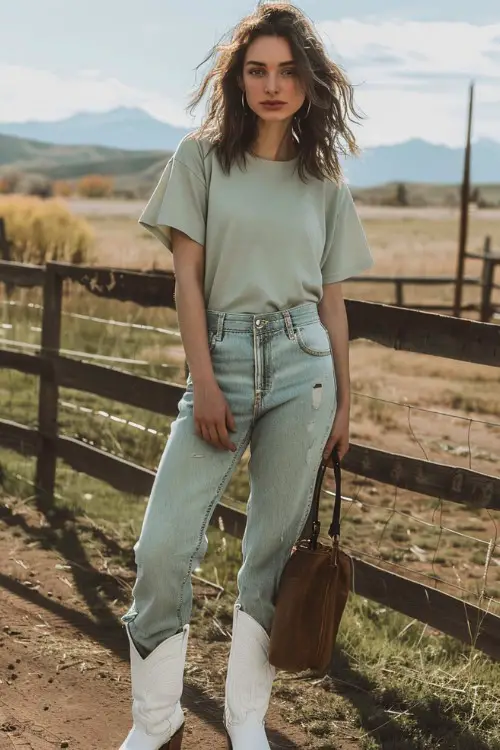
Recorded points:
(260,349)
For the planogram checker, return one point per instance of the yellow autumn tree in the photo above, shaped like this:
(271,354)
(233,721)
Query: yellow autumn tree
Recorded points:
(95,186)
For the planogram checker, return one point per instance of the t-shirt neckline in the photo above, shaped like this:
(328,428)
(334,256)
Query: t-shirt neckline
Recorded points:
(262,160)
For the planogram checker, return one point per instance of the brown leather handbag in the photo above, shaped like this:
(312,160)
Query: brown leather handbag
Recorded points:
(312,593)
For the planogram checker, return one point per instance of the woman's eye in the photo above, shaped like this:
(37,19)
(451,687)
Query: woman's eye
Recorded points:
(258,72)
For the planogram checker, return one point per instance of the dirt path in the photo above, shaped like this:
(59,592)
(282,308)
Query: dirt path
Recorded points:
(64,678)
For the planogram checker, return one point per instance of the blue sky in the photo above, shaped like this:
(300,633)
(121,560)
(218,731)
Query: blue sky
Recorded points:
(411,62)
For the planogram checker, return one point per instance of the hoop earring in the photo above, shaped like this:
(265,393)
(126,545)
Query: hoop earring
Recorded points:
(298,126)
(243,99)
(308,110)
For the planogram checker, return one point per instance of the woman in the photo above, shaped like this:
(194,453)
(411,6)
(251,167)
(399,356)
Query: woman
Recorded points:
(262,231)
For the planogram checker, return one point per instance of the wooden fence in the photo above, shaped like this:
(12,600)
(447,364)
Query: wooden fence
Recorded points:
(485,307)
(404,329)
(491,261)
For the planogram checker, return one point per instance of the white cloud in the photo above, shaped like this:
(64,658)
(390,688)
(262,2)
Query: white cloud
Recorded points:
(426,47)
(30,94)
(413,77)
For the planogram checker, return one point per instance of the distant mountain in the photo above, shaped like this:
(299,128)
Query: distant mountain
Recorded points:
(125,127)
(134,171)
(128,141)
(419,161)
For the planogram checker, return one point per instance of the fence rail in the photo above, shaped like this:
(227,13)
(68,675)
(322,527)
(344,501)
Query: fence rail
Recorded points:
(485,282)
(459,485)
(404,329)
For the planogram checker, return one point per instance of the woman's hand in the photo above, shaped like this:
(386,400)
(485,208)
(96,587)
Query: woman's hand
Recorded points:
(339,436)
(212,415)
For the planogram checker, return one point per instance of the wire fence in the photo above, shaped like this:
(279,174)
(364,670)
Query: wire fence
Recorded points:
(431,562)
(93,319)
(380,523)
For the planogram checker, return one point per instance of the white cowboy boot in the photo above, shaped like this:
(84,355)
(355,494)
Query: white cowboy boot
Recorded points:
(157,683)
(248,684)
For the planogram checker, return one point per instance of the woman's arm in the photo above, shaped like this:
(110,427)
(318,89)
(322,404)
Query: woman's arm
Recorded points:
(333,315)
(190,304)
(212,415)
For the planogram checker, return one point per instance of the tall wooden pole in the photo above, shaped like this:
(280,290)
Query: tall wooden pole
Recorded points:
(464,213)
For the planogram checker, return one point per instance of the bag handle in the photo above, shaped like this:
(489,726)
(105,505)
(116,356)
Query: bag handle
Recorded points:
(334,530)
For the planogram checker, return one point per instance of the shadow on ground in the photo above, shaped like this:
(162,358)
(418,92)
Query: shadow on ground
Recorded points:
(429,725)
(97,589)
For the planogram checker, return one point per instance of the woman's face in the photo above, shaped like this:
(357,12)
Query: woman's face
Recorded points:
(272,87)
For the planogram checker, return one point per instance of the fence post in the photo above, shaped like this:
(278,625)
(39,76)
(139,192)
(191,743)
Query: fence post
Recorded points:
(5,253)
(486,282)
(399,293)
(464,213)
(48,390)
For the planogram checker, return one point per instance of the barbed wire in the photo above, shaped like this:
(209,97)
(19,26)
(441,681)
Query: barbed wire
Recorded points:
(112,417)
(104,321)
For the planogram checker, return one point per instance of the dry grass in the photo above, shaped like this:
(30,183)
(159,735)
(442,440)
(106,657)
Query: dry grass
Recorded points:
(44,230)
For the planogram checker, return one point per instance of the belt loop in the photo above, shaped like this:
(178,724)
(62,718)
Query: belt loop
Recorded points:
(220,326)
(289,325)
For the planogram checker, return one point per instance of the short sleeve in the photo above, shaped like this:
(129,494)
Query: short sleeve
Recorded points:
(346,252)
(179,200)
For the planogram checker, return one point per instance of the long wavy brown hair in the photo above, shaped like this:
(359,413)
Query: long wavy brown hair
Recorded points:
(323,134)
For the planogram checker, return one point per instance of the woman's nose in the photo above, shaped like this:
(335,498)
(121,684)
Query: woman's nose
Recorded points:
(272,83)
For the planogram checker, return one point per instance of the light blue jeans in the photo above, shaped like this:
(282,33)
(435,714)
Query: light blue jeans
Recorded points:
(276,372)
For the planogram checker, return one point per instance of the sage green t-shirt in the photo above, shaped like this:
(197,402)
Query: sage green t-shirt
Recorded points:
(271,241)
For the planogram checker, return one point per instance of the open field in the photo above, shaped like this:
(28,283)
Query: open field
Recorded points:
(405,241)
(396,684)
(132,209)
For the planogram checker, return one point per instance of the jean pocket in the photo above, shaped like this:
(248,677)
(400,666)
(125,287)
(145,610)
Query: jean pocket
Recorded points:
(314,339)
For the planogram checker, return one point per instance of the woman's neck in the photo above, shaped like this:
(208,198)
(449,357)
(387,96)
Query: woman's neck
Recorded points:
(274,141)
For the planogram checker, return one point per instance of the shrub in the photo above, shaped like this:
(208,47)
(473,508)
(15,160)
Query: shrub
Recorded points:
(62,188)
(43,230)
(127,194)
(95,186)
(39,186)
(401,194)
(9,182)
(474,195)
